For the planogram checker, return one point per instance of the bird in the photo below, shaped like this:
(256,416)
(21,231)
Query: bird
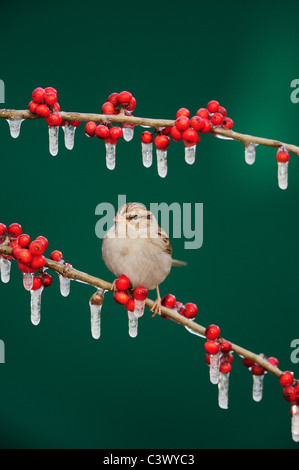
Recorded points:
(137,247)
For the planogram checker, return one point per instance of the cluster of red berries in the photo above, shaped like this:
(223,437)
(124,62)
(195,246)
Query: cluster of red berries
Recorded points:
(214,346)
(257,369)
(28,254)
(189,310)
(123,294)
(186,129)
(117,102)
(44,104)
(290,386)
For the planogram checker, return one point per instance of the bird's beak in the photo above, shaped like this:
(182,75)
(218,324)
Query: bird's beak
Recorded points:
(119,219)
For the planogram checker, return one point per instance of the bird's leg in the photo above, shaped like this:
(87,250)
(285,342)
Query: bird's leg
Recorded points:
(114,286)
(156,308)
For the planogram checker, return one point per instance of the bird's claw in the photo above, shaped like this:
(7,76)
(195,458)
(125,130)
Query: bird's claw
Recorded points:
(156,308)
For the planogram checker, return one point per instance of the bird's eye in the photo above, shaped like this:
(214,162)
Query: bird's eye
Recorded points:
(134,217)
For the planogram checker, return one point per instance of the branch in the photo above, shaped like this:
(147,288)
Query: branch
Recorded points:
(72,273)
(154,123)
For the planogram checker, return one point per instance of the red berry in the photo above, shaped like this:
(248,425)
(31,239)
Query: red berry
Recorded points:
(116,133)
(225,367)
(228,123)
(37,283)
(169,301)
(273,361)
(247,362)
(15,230)
(282,157)
(54,119)
(130,305)
(56,256)
(132,105)
(225,346)
(190,310)
(108,108)
(207,126)
(124,98)
(146,137)
(24,240)
(197,123)
(222,110)
(121,297)
(122,283)
(182,123)
(257,370)
(113,98)
(38,262)
(24,256)
(50,89)
(37,247)
(102,132)
(46,279)
(15,251)
(217,119)
(43,239)
(289,393)
(227,357)
(56,107)
(183,112)
(176,134)
(140,293)
(3,229)
(38,95)
(203,113)
(42,110)
(50,98)
(212,332)
(25,268)
(208,358)
(213,106)
(166,130)
(286,378)
(190,137)
(162,142)
(32,106)
(75,123)
(211,347)
(90,128)
(178,305)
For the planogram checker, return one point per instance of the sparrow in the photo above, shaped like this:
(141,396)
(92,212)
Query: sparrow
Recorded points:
(137,247)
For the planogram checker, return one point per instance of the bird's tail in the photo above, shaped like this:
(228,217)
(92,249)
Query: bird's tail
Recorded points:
(176,262)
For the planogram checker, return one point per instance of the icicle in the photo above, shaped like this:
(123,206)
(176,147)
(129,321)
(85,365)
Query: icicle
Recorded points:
(147,154)
(223,390)
(15,127)
(128,132)
(5,265)
(69,136)
(64,284)
(295,422)
(162,162)
(110,155)
(28,280)
(224,137)
(257,389)
(283,174)
(53,140)
(250,153)
(193,331)
(35,304)
(214,368)
(133,324)
(139,308)
(95,304)
(190,154)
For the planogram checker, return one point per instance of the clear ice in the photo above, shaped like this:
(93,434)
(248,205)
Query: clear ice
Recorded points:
(64,285)
(214,368)
(5,265)
(190,154)
(15,127)
(257,389)
(128,133)
(95,313)
(194,332)
(28,280)
(223,390)
(162,162)
(250,153)
(69,136)
(35,305)
(133,324)
(295,423)
(147,154)
(139,308)
(110,155)
(283,174)
(53,140)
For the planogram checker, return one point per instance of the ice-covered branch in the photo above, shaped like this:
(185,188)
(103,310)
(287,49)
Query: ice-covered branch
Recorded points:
(11,114)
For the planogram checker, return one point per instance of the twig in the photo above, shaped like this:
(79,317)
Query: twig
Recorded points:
(154,123)
(72,273)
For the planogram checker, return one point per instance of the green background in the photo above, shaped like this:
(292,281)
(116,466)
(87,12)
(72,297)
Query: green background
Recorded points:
(60,388)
